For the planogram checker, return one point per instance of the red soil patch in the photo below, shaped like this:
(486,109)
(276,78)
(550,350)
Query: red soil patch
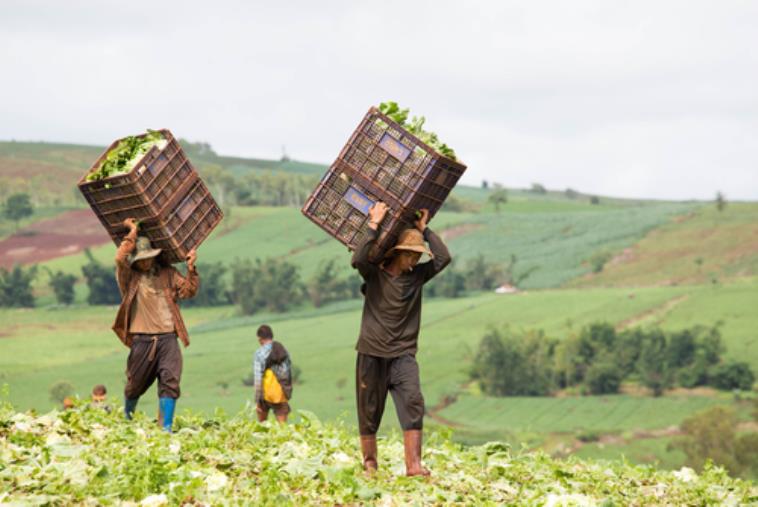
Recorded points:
(66,234)
(459,230)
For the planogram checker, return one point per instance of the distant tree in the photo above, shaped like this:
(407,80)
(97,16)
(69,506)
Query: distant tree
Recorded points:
(652,364)
(16,286)
(213,290)
(63,286)
(498,197)
(733,375)
(485,184)
(594,200)
(538,188)
(482,275)
(451,283)
(604,377)
(325,285)
(273,284)
(101,281)
(17,206)
(598,260)
(511,277)
(571,193)
(720,201)
(61,390)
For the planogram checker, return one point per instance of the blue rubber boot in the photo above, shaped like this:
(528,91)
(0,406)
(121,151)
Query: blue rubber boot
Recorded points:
(129,407)
(167,406)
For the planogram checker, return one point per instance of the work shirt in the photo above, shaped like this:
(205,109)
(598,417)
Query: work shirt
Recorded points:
(392,305)
(150,313)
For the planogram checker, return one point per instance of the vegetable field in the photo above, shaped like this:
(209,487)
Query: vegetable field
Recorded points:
(88,456)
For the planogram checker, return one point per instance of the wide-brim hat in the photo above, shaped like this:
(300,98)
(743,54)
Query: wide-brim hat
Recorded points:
(410,240)
(143,250)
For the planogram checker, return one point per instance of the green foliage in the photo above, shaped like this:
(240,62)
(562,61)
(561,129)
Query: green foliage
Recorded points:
(101,281)
(416,127)
(509,364)
(538,188)
(272,284)
(653,367)
(325,285)
(604,377)
(498,197)
(87,456)
(482,275)
(16,286)
(720,201)
(123,157)
(213,290)
(268,188)
(61,390)
(598,260)
(63,286)
(17,206)
(451,283)
(732,375)
(711,436)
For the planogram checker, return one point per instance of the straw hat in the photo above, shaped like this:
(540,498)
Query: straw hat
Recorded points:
(411,240)
(143,250)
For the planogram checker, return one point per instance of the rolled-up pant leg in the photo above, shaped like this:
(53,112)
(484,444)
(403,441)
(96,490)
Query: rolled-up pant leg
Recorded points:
(371,385)
(405,387)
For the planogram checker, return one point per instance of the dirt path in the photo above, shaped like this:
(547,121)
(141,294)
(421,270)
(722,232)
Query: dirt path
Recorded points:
(66,234)
(658,311)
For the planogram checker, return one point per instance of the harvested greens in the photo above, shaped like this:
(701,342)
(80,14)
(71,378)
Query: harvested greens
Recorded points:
(126,154)
(416,127)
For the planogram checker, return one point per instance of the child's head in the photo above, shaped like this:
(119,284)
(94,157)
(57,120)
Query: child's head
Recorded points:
(265,334)
(99,392)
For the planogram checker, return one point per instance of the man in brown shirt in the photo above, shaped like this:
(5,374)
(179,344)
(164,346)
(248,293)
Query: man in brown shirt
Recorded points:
(148,321)
(388,338)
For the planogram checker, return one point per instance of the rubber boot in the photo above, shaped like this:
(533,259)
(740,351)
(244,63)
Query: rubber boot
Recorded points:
(412,443)
(167,407)
(130,405)
(368,448)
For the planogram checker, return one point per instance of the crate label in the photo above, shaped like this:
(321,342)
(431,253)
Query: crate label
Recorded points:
(394,147)
(358,201)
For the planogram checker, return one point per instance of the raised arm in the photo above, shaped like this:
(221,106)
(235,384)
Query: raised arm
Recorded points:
(186,286)
(123,269)
(360,260)
(440,254)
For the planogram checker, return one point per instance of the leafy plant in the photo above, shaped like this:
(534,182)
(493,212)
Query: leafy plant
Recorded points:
(416,127)
(125,155)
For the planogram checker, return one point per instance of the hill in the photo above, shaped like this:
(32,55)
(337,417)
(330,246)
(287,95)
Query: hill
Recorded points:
(90,457)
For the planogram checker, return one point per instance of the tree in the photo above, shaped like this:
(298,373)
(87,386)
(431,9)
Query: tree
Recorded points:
(733,375)
(509,274)
(63,286)
(598,261)
(325,286)
(595,200)
(604,377)
(538,188)
(652,363)
(571,193)
(482,275)
(451,283)
(17,206)
(272,284)
(16,287)
(498,197)
(485,184)
(720,201)
(213,290)
(101,281)
(511,365)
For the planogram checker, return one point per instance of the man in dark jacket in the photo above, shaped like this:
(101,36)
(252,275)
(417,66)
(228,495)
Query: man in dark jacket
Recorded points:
(389,334)
(149,322)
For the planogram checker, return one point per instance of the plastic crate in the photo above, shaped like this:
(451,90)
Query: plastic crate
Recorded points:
(163,192)
(380,162)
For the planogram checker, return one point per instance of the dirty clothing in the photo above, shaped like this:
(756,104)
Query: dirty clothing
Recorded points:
(153,356)
(174,287)
(392,306)
(374,377)
(150,312)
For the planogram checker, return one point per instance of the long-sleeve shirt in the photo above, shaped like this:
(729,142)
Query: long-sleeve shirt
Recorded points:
(392,305)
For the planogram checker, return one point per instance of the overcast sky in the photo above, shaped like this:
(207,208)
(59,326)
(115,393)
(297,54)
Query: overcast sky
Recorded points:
(635,99)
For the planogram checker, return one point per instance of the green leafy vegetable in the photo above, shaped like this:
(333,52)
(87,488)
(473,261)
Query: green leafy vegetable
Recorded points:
(416,127)
(126,154)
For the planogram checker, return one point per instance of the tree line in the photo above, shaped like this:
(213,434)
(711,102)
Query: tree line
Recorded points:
(599,358)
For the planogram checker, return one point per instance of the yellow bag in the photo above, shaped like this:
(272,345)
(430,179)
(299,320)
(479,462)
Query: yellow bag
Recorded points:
(272,389)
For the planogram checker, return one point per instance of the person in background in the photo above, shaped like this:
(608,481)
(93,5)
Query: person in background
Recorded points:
(388,339)
(271,355)
(98,398)
(149,322)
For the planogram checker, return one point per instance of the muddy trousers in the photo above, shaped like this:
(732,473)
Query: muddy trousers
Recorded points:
(154,357)
(374,378)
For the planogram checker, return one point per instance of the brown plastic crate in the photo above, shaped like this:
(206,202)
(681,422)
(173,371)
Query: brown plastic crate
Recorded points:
(380,162)
(163,192)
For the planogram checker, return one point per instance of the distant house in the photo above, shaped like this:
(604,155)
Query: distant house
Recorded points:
(506,289)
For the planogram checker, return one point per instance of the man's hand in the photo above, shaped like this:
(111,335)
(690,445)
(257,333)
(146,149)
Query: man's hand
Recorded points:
(376,214)
(191,258)
(420,223)
(131,224)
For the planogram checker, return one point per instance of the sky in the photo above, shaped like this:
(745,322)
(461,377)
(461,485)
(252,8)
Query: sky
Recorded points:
(653,99)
